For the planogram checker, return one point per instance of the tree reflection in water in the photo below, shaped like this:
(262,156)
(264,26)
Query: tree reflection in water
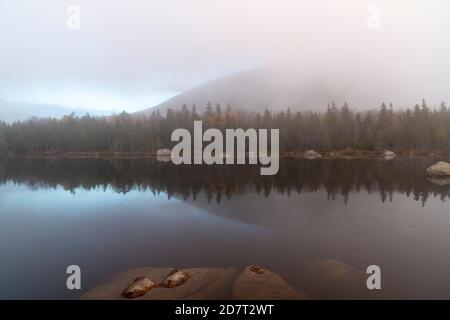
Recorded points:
(337,177)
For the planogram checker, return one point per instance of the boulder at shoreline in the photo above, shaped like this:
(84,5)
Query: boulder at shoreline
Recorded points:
(311,154)
(388,155)
(440,169)
(164,152)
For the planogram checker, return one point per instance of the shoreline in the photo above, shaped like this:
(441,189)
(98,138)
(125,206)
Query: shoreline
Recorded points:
(333,154)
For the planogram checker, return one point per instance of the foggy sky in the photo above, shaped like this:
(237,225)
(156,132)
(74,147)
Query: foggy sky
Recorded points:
(135,54)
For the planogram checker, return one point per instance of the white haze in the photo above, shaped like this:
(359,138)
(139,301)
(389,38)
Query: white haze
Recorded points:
(136,54)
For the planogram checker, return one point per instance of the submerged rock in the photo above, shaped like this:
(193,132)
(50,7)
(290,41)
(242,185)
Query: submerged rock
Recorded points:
(138,288)
(388,155)
(440,169)
(334,279)
(333,269)
(175,278)
(311,154)
(257,283)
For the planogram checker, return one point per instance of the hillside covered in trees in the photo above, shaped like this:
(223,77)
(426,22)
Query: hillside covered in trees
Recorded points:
(338,128)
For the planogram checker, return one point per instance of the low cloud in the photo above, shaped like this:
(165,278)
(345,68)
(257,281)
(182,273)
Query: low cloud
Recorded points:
(135,54)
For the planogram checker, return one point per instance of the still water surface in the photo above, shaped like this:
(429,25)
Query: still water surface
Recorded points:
(108,216)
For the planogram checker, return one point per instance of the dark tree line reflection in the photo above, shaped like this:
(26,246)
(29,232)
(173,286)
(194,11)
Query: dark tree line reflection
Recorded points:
(336,177)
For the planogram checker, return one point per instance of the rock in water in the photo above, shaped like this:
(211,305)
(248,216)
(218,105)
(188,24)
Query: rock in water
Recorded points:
(163,155)
(257,283)
(138,288)
(388,155)
(164,152)
(175,278)
(440,169)
(332,269)
(334,279)
(311,154)
(163,158)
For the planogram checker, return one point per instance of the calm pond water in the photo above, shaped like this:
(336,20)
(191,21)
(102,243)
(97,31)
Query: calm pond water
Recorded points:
(108,216)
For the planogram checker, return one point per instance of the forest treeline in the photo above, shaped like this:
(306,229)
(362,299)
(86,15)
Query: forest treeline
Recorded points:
(337,128)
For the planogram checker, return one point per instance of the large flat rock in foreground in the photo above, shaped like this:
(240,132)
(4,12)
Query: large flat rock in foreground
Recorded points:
(203,283)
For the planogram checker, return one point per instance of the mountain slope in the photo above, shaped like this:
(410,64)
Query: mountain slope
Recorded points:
(253,90)
(275,90)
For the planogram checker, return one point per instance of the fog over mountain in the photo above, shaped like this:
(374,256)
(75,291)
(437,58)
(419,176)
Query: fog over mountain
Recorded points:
(307,88)
(254,90)
(133,55)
